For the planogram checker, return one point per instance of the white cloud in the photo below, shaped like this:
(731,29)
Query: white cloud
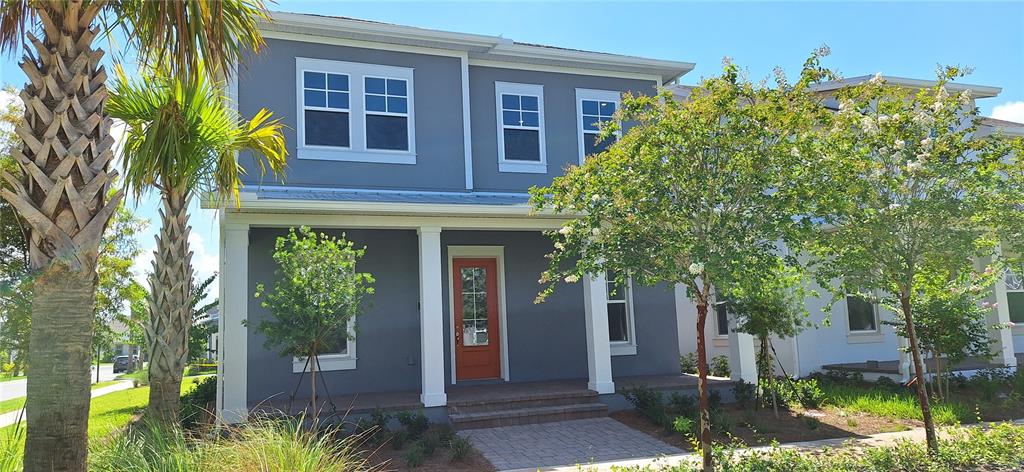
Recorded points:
(204,263)
(1009,111)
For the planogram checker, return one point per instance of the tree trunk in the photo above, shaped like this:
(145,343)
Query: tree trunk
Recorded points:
(702,388)
(57,403)
(170,304)
(312,378)
(922,394)
(61,194)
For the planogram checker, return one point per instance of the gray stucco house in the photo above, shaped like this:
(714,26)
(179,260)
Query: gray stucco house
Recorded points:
(421,145)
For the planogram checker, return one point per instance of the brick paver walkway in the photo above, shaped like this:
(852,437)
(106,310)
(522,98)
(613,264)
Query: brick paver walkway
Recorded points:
(584,442)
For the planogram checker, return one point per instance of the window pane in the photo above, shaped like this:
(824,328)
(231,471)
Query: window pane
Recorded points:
(314,98)
(861,314)
(1015,303)
(616,291)
(327,128)
(374,85)
(509,102)
(590,123)
(313,80)
(722,319)
(531,118)
(396,87)
(592,146)
(617,319)
(529,103)
(337,100)
(522,145)
(590,107)
(397,105)
(607,109)
(510,118)
(387,132)
(375,103)
(337,82)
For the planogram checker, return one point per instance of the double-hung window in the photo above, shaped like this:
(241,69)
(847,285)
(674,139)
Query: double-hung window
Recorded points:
(337,355)
(721,319)
(520,127)
(351,111)
(620,316)
(593,108)
(861,314)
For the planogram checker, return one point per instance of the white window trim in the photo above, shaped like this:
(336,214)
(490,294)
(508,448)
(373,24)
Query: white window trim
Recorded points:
(1018,328)
(591,94)
(334,360)
(527,167)
(628,347)
(357,150)
(863,336)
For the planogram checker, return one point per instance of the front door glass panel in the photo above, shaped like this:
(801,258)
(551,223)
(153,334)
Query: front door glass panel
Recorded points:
(474,306)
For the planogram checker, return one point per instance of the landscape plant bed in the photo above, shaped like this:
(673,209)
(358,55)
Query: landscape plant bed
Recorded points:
(761,428)
(386,457)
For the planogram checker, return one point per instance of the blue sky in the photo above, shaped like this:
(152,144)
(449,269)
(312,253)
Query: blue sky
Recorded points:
(902,39)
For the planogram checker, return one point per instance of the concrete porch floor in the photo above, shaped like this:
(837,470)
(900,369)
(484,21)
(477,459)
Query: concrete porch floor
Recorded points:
(893,367)
(472,393)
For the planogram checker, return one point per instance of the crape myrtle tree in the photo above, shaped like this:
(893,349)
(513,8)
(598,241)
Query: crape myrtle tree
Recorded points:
(773,306)
(696,192)
(318,292)
(64,156)
(182,140)
(918,194)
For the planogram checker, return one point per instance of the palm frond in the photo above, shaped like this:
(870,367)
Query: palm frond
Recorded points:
(189,35)
(14,16)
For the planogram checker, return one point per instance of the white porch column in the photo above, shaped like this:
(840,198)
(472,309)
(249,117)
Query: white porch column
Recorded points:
(431,318)
(599,352)
(232,406)
(742,355)
(1003,337)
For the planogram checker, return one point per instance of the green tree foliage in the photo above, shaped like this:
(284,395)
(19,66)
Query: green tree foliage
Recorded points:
(118,250)
(317,292)
(15,289)
(199,335)
(696,192)
(917,191)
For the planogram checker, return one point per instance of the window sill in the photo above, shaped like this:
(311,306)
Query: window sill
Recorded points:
(865,338)
(327,362)
(523,167)
(346,155)
(623,349)
(720,341)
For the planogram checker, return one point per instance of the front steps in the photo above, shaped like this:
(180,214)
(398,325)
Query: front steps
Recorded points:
(535,408)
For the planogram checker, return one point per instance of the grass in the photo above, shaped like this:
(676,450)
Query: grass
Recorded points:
(8,379)
(141,375)
(895,405)
(17,403)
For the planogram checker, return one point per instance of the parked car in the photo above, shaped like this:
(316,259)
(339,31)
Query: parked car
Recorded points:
(121,363)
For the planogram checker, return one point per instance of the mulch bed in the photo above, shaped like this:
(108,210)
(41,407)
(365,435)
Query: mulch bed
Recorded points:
(386,458)
(761,427)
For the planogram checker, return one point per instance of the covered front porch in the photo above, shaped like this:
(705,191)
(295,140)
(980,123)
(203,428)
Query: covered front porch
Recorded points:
(418,348)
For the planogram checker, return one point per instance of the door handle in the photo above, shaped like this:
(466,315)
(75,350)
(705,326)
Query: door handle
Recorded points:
(458,337)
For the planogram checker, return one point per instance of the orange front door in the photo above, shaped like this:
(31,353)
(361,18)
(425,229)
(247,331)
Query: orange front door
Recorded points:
(477,353)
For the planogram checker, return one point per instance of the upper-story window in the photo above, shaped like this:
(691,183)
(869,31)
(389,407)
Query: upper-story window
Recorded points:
(520,127)
(351,111)
(594,107)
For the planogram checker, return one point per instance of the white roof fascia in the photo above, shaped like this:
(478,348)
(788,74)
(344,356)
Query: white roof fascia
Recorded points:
(979,91)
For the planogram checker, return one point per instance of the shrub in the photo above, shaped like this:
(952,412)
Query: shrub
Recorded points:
(646,400)
(398,439)
(720,366)
(461,448)
(446,434)
(414,456)
(887,383)
(197,401)
(415,423)
(200,369)
(685,425)
(807,393)
(721,421)
(688,363)
(744,392)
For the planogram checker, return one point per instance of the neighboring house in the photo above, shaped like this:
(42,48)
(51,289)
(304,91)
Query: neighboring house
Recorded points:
(211,319)
(421,145)
(854,338)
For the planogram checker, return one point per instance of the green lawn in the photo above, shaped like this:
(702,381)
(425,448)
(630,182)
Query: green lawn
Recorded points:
(895,405)
(17,403)
(8,379)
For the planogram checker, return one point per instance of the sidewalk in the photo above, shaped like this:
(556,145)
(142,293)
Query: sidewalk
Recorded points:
(7,419)
(875,440)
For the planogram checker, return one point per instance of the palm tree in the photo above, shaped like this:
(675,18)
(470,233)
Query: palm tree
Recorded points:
(182,140)
(64,159)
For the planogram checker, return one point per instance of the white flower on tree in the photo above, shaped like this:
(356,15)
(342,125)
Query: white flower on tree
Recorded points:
(696,268)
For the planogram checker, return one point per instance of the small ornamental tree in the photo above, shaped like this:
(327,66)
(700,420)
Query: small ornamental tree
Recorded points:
(695,192)
(919,191)
(317,293)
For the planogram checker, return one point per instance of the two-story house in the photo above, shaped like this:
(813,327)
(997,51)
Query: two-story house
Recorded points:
(421,145)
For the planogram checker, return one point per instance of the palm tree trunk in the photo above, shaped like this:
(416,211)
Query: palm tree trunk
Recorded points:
(170,308)
(702,387)
(922,394)
(62,195)
(57,403)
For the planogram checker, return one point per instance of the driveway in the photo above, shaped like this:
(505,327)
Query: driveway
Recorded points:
(16,388)
(564,443)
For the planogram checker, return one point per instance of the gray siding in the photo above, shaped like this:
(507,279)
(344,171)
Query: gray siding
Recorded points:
(546,341)
(560,127)
(268,81)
